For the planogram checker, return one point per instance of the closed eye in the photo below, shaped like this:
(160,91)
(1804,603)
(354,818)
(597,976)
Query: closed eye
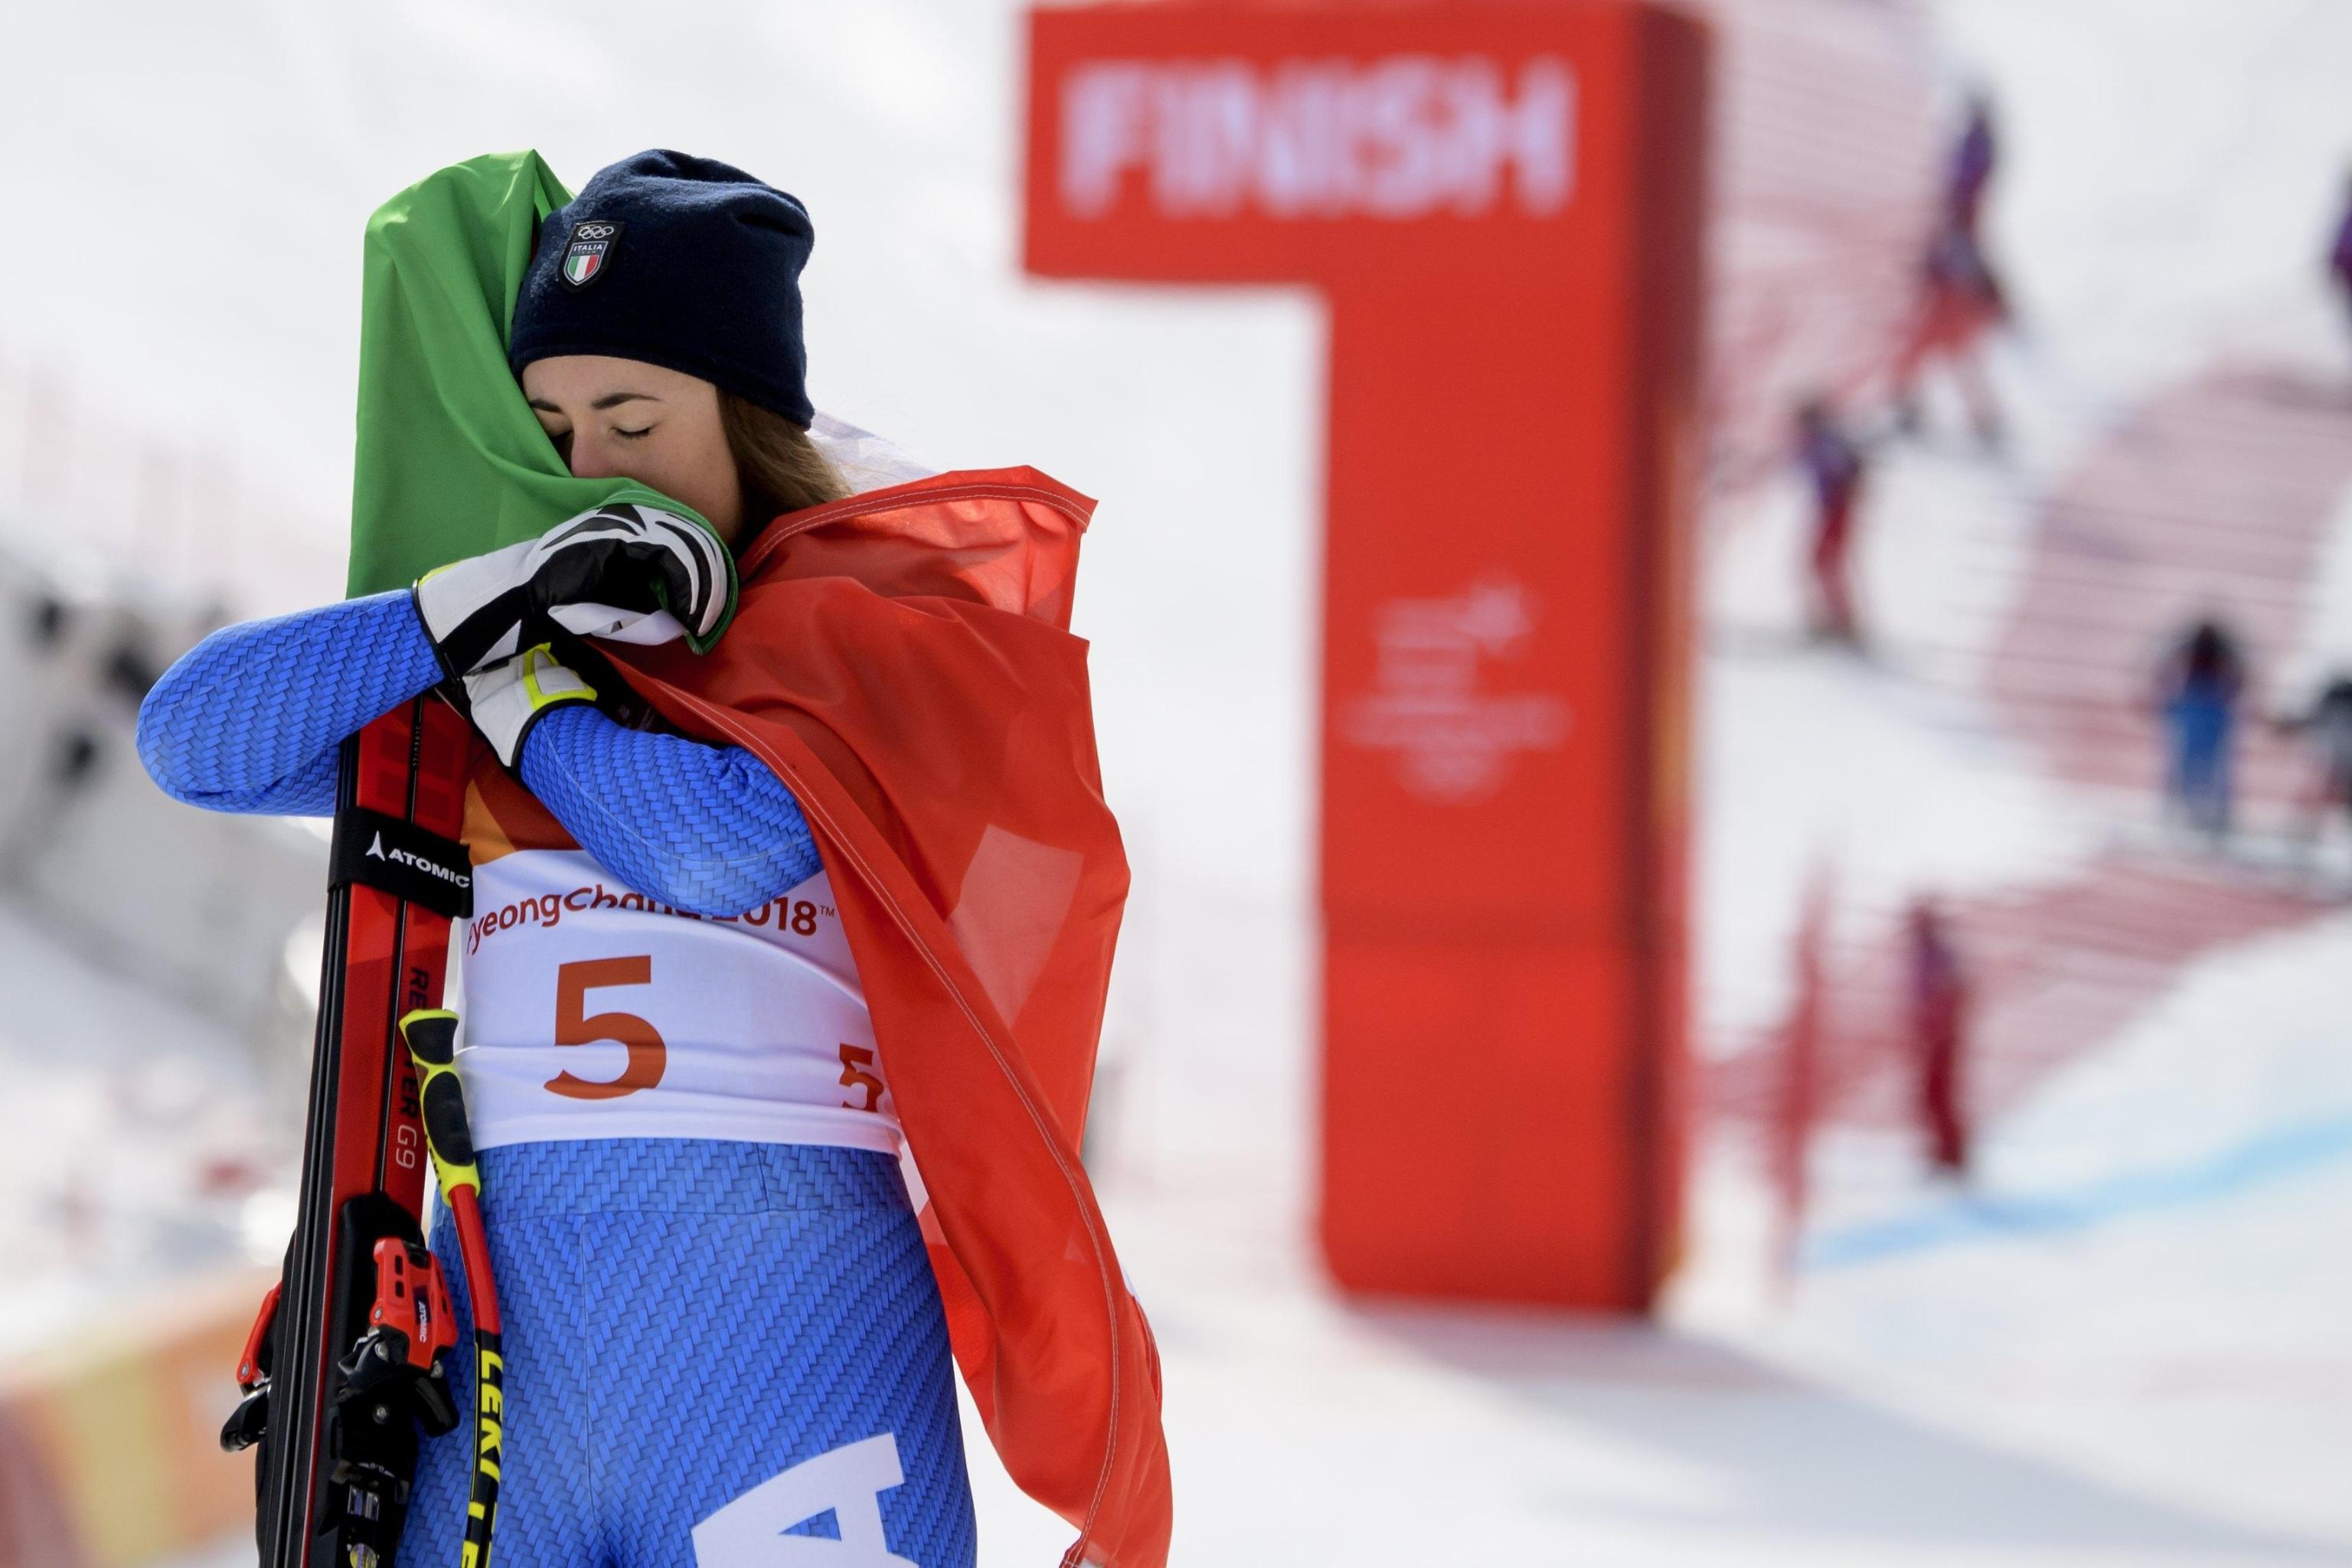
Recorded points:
(635,435)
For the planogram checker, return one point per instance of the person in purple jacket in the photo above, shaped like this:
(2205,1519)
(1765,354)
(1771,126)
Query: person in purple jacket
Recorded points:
(1974,157)
(2339,257)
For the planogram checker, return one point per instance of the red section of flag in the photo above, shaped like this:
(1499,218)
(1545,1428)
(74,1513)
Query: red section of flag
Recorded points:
(902,660)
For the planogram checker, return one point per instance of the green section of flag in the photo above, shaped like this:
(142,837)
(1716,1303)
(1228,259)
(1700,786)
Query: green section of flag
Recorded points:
(450,461)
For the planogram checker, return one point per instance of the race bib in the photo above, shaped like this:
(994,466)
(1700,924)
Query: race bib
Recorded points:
(594,1012)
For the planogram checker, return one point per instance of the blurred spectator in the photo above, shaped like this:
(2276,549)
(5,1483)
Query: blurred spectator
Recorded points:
(1939,1037)
(1796,1099)
(1974,156)
(2198,689)
(2340,258)
(1960,301)
(1833,461)
(2328,726)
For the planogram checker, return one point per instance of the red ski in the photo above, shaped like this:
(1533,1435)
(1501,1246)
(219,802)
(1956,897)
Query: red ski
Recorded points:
(344,1366)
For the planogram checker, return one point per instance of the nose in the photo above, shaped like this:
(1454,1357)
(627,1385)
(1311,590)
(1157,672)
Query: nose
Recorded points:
(592,458)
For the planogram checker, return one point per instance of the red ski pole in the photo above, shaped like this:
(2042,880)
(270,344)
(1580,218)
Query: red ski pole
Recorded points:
(432,1037)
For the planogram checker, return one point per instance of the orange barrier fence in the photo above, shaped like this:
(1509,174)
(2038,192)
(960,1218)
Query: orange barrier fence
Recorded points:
(110,1450)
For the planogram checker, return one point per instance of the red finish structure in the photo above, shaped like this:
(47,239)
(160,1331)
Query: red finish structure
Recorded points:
(1502,205)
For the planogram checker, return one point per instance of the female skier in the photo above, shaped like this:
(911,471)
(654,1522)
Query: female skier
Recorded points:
(742,923)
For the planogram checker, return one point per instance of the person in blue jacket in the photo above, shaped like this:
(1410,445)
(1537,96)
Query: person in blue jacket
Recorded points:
(2198,691)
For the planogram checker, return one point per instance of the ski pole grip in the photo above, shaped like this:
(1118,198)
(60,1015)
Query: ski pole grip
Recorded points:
(431,1034)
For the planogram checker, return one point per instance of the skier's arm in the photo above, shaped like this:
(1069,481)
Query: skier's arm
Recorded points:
(703,828)
(248,719)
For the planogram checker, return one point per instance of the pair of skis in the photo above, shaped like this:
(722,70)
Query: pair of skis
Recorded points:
(345,1364)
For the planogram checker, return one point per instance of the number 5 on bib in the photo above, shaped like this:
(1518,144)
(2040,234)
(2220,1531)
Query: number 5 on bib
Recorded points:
(647,1055)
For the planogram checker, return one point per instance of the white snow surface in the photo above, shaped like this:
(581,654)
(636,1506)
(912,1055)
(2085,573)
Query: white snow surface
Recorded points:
(2128,1346)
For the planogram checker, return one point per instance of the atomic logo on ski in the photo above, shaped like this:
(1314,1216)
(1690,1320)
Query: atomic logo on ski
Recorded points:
(590,252)
(417,863)
(394,855)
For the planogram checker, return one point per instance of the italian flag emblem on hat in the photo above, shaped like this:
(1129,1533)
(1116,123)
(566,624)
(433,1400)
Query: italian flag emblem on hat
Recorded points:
(590,252)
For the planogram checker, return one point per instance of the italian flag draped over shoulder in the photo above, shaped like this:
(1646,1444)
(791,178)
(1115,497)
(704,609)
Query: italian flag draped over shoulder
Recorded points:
(902,660)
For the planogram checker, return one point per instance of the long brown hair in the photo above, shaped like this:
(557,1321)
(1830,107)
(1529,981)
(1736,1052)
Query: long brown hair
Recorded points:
(778,467)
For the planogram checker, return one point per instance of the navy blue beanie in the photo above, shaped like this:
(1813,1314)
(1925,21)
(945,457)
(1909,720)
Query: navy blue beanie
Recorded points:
(679,261)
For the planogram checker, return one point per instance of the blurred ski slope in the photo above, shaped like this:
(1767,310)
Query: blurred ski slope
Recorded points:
(2147,1363)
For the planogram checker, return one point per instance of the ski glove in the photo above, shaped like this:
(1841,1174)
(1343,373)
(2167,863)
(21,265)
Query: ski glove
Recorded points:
(634,574)
(506,699)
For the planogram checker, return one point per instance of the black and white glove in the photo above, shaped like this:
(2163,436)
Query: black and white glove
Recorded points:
(506,698)
(629,572)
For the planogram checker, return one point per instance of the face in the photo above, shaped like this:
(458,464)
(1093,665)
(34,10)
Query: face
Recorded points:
(624,419)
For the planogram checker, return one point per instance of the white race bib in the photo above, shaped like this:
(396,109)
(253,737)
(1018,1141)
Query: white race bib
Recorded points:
(592,1012)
